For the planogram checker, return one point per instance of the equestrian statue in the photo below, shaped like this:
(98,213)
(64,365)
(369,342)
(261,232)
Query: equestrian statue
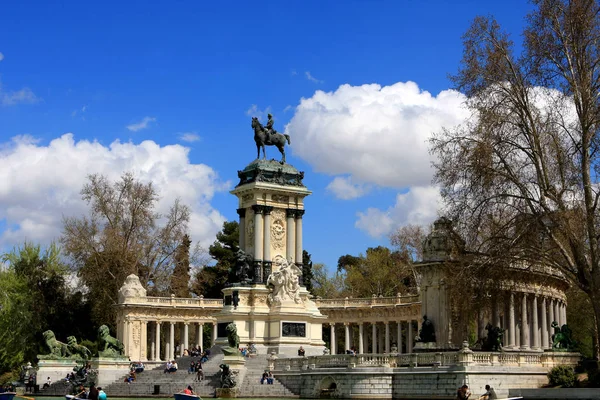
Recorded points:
(268,136)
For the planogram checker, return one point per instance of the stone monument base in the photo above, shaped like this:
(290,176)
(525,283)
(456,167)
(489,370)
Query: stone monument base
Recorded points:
(110,369)
(55,369)
(229,393)
(429,347)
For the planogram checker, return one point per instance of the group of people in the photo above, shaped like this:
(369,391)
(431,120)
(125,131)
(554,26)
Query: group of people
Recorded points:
(171,367)
(463,393)
(196,367)
(137,367)
(246,351)
(267,377)
(7,388)
(95,393)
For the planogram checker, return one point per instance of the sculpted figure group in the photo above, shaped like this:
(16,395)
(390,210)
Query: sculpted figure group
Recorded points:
(285,281)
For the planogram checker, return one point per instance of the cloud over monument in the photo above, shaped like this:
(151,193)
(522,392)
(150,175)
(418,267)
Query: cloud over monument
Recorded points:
(374,135)
(41,183)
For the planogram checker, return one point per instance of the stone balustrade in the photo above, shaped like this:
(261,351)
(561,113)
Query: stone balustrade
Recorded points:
(446,359)
(366,302)
(197,301)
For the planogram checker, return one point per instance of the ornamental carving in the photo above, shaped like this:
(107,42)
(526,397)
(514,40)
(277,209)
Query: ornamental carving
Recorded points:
(279,198)
(250,228)
(131,289)
(247,197)
(137,336)
(278,229)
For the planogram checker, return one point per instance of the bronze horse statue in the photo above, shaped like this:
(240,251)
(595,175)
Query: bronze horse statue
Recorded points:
(263,138)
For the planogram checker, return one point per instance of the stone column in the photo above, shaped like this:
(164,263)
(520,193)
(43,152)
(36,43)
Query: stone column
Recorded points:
(564,313)
(387,337)
(181,340)
(544,324)
(258,242)
(361,342)
(535,330)
(409,339)
(186,337)
(213,338)
(299,214)
(524,323)
(480,324)
(242,213)
(172,341)
(290,243)
(512,343)
(200,335)
(346,336)
(551,318)
(399,337)
(374,337)
(333,338)
(267,243)
(557,312)
(157,342)
(144,343)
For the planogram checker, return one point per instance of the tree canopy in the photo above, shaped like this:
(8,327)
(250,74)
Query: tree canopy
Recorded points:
(520,176)
(123,234)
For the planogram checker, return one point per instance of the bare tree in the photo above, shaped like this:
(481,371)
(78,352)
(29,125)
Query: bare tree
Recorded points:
(122,235)
(520,178)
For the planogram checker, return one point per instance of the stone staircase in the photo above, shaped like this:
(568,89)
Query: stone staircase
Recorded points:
(251,387)
(144,385)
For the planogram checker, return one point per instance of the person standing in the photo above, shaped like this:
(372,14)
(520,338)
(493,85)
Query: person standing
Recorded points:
(199,372)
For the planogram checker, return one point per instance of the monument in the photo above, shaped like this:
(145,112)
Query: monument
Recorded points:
(269,304)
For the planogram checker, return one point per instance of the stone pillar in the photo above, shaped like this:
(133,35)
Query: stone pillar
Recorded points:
(333,338)
(480,324)
(346,336)
(181,340)
(374,337)
(299,214)
(544,324)
(399,337)
(524,323)
(409,339)
(144,343)
(157,341)
(387,337)
(361,343)
(535,330)
(172,341)
(512,342)
(213,337)
(557,312)
(153,350)
(242,213)
(564,313)
(267,243)
(200,335)
(186,337)
(380,344)
(290,244)
(258,242)
(551,319)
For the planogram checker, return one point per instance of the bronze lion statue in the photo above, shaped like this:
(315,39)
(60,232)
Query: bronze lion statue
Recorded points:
(57,349)
(108,345)
(77,350)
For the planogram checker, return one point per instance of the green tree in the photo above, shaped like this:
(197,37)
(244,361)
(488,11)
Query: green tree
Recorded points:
(326,286)
(379,272)
(520,176)
(210,280)
(180,279)
(44,301)
(122,235)
(307,272)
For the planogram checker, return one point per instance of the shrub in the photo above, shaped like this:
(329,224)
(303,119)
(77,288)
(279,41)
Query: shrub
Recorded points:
(562,375)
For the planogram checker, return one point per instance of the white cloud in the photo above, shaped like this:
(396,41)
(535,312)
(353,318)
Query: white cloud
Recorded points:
(344,188)
(23,96)
(312,78)
(143,124)
(254,111)
(189,137)
(418,206)
(288,108)
(374,134)
(1,56)
(41,183)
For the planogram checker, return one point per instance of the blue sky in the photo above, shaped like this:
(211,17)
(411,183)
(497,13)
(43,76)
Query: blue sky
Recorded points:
(186,77)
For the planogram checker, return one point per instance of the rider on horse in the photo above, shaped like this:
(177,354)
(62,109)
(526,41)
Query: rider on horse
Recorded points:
(269,127)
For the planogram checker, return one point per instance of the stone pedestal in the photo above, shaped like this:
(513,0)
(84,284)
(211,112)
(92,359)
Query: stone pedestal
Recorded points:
(55,369)
(110,369)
